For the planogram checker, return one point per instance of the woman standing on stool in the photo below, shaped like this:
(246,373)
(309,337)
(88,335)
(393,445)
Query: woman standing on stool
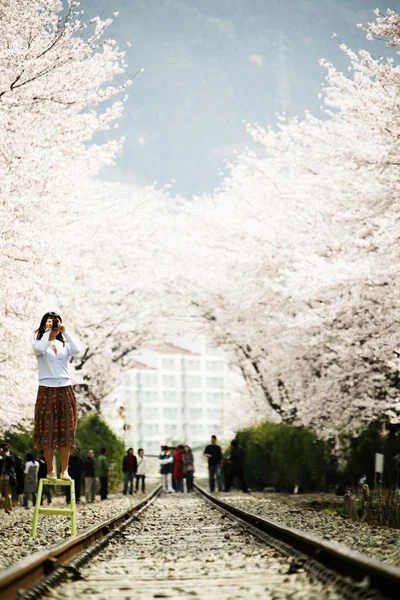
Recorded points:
(55,409)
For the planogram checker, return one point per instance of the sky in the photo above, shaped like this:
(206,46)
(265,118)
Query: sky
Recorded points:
(210,65)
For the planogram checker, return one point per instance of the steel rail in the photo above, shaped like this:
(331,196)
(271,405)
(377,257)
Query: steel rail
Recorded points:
(365,573)
(30,571)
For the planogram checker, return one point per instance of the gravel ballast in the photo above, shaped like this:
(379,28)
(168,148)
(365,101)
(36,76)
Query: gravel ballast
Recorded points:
(382,543)
(15,528)
(182,548)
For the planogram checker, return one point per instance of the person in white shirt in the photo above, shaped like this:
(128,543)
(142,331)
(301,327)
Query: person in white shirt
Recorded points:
(55,408)
(141,470)
(31,479)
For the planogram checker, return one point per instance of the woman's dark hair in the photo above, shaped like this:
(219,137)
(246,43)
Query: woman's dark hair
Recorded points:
(187,446)
(129,449)
(42,326)
(30,457)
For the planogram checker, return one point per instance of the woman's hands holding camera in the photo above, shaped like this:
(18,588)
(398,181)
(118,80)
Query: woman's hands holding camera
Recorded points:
(50,324)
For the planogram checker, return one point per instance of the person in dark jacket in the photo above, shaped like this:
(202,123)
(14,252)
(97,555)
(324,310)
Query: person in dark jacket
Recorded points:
(42,475)
(75,470)
(8,477)
(89,467)
(129,468)
(19,471)
(188,467)
(237,459)
(104,473)
(214,454)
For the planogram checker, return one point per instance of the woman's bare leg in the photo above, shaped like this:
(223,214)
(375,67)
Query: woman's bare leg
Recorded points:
(48,454)
(64,454)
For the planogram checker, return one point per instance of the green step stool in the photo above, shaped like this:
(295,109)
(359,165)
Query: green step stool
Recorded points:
(68,512)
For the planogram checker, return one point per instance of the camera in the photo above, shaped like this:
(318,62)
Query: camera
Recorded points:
(55,323)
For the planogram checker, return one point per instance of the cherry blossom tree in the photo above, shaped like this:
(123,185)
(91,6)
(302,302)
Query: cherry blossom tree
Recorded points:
(292,264)
(55,71)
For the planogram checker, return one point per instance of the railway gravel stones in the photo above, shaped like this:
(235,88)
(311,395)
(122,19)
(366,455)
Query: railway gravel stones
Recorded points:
(15,528)
(181,548)
(382,543)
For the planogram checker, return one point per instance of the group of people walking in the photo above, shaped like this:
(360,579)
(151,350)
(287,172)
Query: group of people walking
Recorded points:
(231,466)
(134,470)
(176,465)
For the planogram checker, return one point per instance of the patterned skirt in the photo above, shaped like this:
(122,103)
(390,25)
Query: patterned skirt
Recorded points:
(55,417)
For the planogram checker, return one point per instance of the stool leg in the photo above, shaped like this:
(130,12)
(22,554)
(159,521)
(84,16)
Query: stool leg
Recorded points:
(73,508)
(36,510)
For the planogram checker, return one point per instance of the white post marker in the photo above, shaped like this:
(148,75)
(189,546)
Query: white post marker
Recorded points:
(379,462)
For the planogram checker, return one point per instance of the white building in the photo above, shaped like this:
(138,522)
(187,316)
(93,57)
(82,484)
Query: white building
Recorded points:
(172,395)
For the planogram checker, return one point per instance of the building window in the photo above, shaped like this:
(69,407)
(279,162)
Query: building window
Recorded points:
(192,365)
(148,380)
(197,428)
(169,381)
(170,397)
(215,366)
(168,364)
(170,413)
(194,397)
(170,428)
(192,381)
(150,412)
(214,414)
(148,396)
(214,382)
(151,428)
(214,398)
(196,413)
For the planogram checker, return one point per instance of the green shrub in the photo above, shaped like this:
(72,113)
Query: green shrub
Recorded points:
(282,456)
(94,433)
(361,449)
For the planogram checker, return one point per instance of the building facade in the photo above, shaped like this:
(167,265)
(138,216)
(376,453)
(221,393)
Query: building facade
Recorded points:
(172,395)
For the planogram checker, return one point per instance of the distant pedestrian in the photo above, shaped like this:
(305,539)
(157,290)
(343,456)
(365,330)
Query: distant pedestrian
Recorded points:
(166,460)
(89,468)
(103,474)
(178,469)
(226,468)
(75,469)
(18,490)
(42,475)
(8,478)
(188,467)
(129,467)
(214,454)
(141,471)
(31,479)
(236,458)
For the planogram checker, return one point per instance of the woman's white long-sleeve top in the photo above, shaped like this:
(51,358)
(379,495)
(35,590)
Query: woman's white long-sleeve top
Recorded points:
(53,366)
(31,463)
(141,465)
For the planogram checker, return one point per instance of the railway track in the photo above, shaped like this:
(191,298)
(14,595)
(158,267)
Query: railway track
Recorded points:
(196,546)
